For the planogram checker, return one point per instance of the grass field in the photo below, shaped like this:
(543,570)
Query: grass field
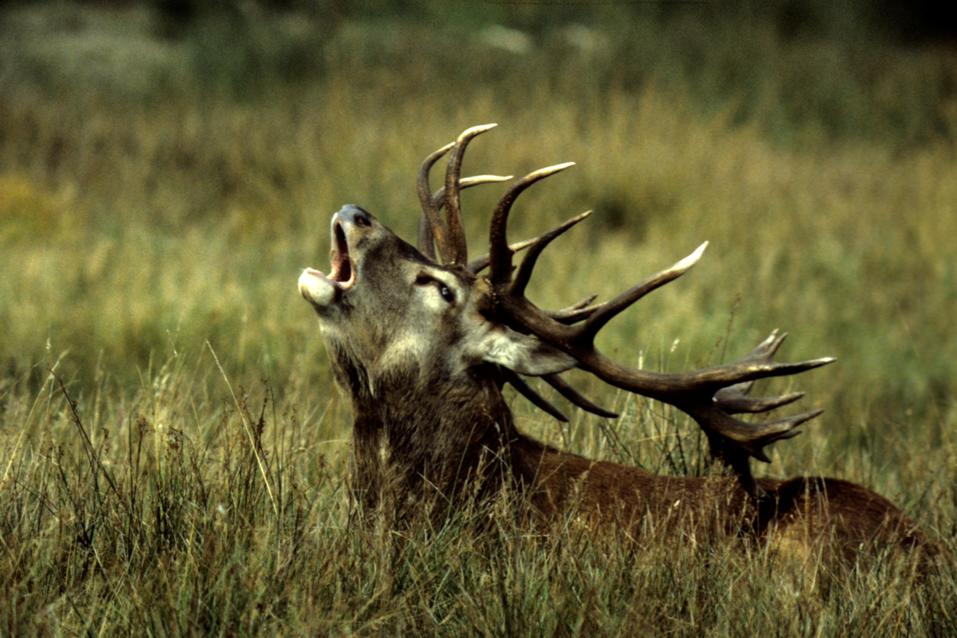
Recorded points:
(172,450)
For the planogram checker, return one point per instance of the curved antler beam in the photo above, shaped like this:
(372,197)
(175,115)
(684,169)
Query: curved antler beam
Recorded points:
(711,396)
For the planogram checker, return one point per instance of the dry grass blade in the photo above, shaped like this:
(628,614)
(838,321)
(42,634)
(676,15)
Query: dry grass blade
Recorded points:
(247,428)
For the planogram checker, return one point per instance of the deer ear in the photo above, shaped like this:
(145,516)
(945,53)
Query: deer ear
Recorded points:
(520,353)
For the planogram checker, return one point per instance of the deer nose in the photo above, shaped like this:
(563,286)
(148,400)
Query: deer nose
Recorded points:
(355,214)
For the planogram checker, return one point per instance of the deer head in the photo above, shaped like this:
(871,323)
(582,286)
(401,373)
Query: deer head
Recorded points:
(392,312)
(423,340)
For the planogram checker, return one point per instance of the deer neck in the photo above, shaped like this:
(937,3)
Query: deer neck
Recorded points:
(418,438)
(427,436)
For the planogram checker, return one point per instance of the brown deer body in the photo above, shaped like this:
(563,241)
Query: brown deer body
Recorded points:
(423,345)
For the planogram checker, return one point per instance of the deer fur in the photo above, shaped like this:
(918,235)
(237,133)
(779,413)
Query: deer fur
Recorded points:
(423,369)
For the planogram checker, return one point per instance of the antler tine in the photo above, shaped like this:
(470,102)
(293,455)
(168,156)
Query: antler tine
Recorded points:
(479,264)
(735,401)
(458,247)
(581,304)
(752,438)
(575,397)
(769,346)
(606,311)
(598,316)
(524,273)
(438,201)
(500,255)
(526,391)
(741,371)
(568,316)
(576,312)
(438,197)
(431,228)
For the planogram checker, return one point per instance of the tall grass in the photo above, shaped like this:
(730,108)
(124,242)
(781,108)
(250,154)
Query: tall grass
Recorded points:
(173,449)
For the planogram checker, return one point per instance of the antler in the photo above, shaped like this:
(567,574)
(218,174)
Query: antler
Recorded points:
(711,396)
(448,234)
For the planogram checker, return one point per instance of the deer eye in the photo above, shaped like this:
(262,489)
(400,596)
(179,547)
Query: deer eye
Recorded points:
(445,293)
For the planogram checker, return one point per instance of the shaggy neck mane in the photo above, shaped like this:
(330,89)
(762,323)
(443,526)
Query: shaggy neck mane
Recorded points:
(424,442)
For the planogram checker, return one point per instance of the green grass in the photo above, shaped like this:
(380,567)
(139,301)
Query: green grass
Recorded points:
(158,197)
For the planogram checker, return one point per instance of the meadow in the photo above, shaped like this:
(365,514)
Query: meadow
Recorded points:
(173,451)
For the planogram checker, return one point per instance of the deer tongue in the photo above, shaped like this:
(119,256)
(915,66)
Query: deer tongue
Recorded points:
(318,289)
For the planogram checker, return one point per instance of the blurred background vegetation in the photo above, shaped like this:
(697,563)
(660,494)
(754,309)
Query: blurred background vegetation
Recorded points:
(167,168)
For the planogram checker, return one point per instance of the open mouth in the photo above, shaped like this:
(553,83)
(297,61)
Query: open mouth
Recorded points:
(324,290)
(342,271)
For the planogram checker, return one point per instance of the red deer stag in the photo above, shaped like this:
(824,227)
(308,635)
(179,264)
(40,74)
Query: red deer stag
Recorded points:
(423,345)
